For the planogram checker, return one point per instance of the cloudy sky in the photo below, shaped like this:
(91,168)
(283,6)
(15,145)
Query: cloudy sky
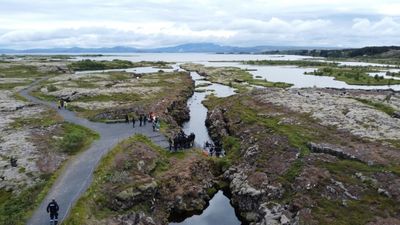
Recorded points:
(154,23)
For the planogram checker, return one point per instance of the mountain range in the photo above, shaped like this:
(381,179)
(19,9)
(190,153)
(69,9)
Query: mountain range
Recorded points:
(184,48)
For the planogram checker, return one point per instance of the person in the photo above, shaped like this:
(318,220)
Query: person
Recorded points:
(65,105)
(133,121)
(140,120)
(154,126)
(53,208)
(62,104)
(126,118)
(59,104)
(170,143)
(144,120)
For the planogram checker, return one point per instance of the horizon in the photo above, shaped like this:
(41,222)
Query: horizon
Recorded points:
(164,23)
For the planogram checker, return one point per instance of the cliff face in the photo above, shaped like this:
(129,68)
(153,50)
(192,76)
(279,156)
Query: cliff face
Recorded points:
(290,167)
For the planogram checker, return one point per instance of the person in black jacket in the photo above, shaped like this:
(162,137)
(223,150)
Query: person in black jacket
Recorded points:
(53,208)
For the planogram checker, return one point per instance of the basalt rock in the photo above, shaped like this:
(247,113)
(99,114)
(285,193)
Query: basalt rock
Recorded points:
(331,150)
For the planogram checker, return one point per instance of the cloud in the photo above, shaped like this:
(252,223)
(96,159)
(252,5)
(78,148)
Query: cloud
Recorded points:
(97,23)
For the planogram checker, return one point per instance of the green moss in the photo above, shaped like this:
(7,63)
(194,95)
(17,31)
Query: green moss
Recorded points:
(378,105)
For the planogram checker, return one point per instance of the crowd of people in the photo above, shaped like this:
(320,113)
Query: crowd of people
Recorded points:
(214,149)
(62,104)
(143,119)
(181,141)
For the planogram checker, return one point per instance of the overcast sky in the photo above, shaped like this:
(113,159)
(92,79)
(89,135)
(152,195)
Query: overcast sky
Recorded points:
(154,23)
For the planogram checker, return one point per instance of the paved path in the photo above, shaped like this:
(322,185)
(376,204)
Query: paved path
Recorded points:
(77,176)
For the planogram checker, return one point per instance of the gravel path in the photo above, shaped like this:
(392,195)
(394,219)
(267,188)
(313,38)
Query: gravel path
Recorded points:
(77,176)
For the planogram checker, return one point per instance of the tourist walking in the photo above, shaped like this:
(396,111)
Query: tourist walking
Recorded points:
(140,120)
(133,121)
(144,120)
(53,208)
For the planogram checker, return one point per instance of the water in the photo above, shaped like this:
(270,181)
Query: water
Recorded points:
(295,75)
(192,57)
(219,212)
(198,112)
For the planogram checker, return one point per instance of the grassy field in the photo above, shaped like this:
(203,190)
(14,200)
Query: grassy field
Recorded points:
(114,64)
(92,206)
(15,208)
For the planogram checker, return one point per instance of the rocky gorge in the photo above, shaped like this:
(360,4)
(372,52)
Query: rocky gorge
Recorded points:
(307,156)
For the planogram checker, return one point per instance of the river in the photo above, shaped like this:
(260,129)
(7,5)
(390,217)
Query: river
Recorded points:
(220,210)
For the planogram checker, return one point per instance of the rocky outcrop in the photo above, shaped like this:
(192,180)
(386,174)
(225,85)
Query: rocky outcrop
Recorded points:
(331,150)
(216,124)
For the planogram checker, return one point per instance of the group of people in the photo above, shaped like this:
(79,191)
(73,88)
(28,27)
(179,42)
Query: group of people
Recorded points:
(143,119)
(181,141)
(214,149)
(62,104)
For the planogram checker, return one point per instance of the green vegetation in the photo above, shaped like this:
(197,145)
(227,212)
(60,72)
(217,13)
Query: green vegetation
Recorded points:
(122,97)
(301,63)
(114,64)
(379,54)
(76,138)
(51,88)
(9,86)
(51,118)
(92,203)
(20,71)
(378,105)
(15,208)
(232,76)
(353,75)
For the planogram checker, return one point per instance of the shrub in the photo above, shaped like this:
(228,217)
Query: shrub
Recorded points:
(51,88)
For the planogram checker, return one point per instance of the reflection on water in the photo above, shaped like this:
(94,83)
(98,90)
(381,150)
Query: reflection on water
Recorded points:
(219,212)
(295,75)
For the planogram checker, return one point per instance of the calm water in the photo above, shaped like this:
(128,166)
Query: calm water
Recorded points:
(192,57)
(198,112)
(219,212)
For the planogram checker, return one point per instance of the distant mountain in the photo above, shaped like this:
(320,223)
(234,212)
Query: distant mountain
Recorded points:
(185,48)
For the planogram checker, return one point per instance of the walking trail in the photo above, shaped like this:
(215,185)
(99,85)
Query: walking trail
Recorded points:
(78,173)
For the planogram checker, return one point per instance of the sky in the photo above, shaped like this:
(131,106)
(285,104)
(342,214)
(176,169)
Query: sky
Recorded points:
(157,23)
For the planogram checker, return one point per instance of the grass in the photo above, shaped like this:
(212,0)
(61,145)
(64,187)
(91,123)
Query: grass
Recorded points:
(114,64)
(15,209)
(20,71)
(9,86)
(51,118)
(378,106)
(76,138)
(88,205)
(19,97)
(121,97)
(353,75)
